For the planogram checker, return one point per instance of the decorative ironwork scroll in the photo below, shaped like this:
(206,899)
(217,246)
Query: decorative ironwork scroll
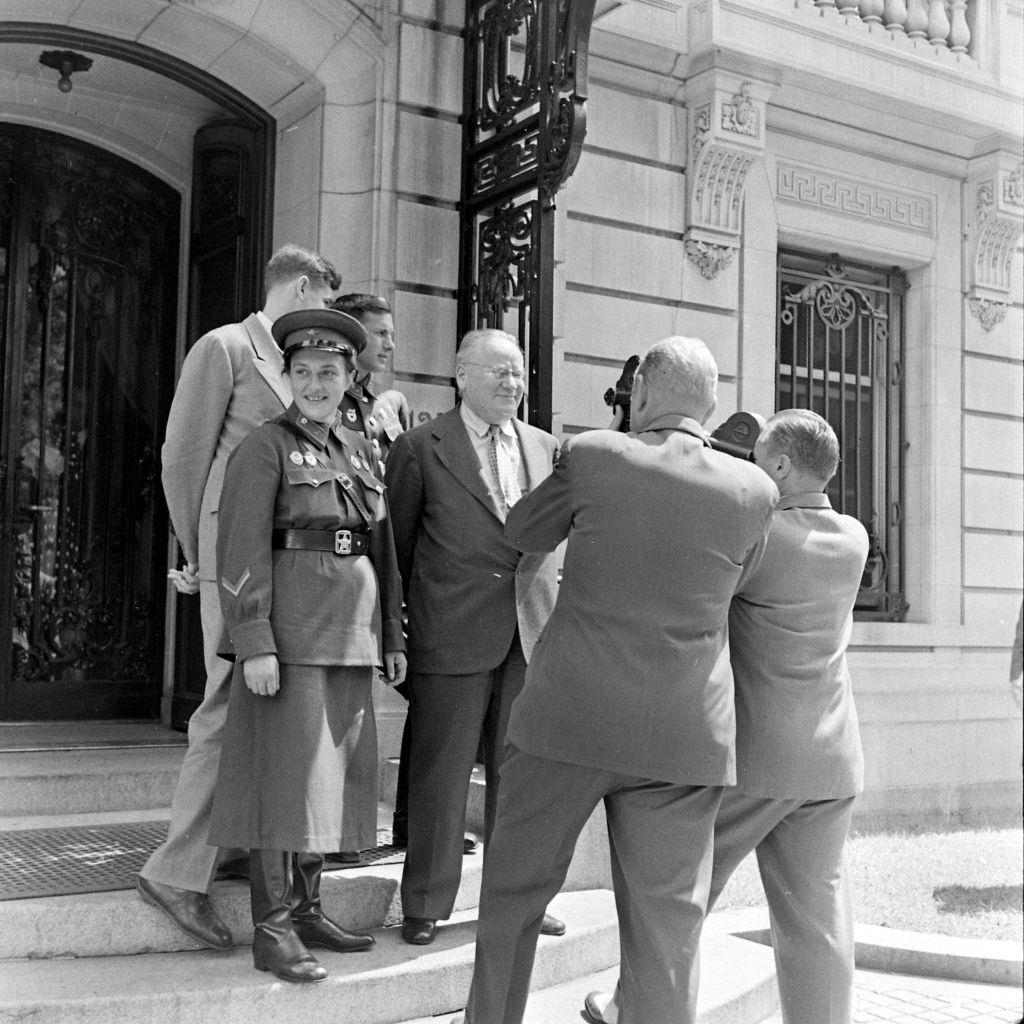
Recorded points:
(525,82)
(88,368)
(840,351)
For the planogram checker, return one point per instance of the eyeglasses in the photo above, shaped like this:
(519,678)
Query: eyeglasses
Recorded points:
(500,372)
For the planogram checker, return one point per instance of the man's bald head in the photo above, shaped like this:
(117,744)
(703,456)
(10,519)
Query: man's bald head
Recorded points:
(678,377)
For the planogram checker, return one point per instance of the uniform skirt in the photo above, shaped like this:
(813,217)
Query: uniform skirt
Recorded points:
(298,771)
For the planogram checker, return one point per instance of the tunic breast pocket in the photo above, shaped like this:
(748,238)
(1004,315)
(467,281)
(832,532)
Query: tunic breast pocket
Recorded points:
(310,494)
(373,493)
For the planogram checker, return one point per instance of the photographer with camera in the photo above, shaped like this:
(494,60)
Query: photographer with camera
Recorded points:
(628,696)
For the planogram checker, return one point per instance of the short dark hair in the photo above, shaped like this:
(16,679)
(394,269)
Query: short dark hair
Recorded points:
(291,261)
(358,305)
(807,438)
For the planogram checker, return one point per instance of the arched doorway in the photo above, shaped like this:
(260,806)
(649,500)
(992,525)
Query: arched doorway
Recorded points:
(88,294)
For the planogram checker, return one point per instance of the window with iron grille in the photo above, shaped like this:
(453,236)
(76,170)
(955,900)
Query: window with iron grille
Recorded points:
(840,353)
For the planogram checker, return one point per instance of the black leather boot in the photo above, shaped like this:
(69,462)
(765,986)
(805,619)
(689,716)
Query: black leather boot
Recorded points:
(275,946)
(312,926)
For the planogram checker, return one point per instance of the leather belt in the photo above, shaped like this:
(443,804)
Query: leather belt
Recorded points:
(338,542)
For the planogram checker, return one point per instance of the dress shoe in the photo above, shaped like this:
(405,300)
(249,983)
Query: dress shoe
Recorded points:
(470,844)
(190,911)
(552,926)
(599,1008)
(419,931)
(327,935)
(347,857)
(235,868)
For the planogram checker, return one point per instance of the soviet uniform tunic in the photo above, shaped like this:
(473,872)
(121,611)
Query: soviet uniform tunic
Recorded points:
(293,771)
(371,415)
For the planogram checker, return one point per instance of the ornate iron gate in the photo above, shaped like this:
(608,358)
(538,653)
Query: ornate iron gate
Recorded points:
(840,353)
(87,294)
(524,110)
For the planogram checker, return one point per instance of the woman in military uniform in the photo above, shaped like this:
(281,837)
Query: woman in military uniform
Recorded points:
(311,595)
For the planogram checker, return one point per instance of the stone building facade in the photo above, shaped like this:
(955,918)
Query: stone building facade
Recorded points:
(770,175)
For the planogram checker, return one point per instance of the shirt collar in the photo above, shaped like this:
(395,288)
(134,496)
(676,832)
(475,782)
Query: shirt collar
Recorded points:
(673,421)
(267,322)
(310,429)
(363,384)
(804,499)
(480,426)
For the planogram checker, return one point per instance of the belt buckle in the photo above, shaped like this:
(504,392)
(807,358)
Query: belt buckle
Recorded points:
(343,542)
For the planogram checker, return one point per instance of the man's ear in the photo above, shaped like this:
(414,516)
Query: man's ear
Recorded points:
(301,286)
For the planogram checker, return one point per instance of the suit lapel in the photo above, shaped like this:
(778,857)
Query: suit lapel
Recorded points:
(267,358)
(455,451)
(536,459)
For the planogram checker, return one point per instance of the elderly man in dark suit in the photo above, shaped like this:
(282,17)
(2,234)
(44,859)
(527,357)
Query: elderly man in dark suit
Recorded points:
(628,697)
(799,763)
(475,606)
(230,383)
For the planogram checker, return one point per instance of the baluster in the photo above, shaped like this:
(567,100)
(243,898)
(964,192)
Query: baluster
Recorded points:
(917,19)
(871,11)
(824,5)
(938,23)
(894,15)
(847,7)
(959,32)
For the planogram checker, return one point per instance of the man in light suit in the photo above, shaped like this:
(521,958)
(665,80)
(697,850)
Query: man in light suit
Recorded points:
(475,606)
(799,763)
(628,697)
(230,383)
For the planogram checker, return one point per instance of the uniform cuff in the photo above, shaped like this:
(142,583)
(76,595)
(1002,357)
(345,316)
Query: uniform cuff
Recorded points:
(252,638)
(393,639)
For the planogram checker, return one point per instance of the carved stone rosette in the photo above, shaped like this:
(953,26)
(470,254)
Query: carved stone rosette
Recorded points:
(727,134)
(995,223)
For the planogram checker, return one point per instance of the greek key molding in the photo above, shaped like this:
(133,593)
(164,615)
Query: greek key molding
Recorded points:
(855,197)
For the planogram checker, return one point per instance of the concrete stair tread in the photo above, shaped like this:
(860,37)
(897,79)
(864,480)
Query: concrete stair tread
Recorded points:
(392,982)
(737,986)
(119,923)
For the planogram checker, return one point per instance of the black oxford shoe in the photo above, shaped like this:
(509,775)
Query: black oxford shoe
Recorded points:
(325,934)
(419,931)
(190,911)
(552,926)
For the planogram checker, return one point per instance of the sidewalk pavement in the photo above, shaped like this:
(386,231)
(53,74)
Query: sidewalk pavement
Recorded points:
(903,999)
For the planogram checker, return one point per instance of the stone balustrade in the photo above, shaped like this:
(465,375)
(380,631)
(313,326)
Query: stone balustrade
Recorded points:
(942,23)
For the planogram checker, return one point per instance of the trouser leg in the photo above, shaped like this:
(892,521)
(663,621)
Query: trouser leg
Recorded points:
(542,809)
(508,682)
(448,714)
(802,868)
(185,859)
(400,818)
(660,838)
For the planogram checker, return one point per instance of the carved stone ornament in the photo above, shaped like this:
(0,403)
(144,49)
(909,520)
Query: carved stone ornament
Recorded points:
(708,257)
(726,137)
(995,223)
(987,311)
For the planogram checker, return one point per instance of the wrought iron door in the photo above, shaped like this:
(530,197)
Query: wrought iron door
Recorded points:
(524,121)
(88,282)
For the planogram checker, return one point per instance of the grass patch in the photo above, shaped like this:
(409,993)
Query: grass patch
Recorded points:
(964,883)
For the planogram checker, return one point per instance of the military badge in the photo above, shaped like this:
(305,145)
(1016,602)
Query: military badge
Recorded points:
(310,459)
(296,458)
(351,416)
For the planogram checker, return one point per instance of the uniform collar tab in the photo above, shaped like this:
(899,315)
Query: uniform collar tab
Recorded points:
(315,432)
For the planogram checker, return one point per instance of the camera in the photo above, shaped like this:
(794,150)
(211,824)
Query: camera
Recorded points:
(736,436)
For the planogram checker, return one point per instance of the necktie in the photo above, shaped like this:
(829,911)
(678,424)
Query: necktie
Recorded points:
(502,471)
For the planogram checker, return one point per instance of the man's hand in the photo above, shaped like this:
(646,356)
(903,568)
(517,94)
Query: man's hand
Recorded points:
(399,405)
(186,581)
(262,674)
(394,668)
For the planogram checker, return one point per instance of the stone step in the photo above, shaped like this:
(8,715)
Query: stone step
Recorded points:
(119,923)
(54,782)
(737,986)
(390,983)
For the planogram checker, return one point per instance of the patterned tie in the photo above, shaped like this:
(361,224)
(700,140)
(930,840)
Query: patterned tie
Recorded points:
(501,470)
